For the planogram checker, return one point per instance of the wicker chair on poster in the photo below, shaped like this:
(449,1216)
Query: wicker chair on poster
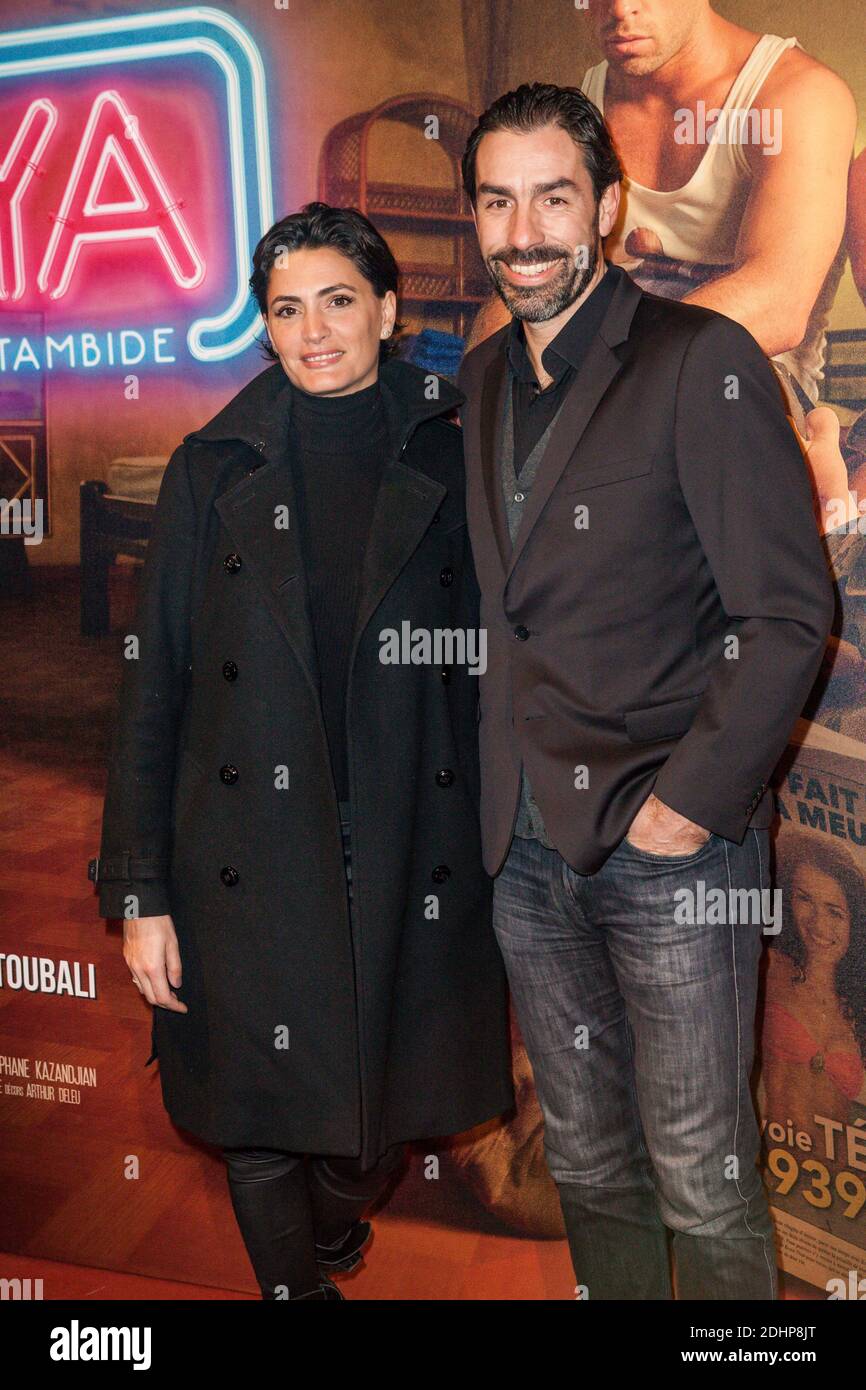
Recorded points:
(455,288)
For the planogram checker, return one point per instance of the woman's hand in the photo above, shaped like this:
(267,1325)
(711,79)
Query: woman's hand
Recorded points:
(151,951)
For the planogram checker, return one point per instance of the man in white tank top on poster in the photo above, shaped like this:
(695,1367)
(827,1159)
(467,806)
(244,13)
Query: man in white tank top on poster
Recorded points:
(736,149)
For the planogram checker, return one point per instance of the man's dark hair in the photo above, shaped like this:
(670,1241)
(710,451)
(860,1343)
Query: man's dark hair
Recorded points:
(318,225)
(537,104)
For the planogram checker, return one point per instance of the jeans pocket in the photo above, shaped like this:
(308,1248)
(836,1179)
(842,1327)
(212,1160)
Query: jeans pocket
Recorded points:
(689,858)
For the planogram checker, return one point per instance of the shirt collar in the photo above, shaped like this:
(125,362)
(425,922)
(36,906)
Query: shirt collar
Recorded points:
(567,348)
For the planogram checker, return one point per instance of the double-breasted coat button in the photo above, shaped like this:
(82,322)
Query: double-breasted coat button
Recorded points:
(441,873)
(230,670)
(229,876)
(446,576)
(232,563)
(446,676)
(228,773)
(444,777)
(521,632)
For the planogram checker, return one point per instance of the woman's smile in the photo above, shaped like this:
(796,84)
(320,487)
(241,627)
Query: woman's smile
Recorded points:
(316,360)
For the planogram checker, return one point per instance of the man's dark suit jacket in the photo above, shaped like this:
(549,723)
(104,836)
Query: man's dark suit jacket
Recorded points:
(671,513)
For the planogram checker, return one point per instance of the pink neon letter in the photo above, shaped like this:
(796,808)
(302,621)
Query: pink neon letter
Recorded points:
(16,171)
(112,134)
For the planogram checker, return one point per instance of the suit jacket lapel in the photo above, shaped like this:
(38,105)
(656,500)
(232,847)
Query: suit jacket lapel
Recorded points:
(598,369)
(594,375)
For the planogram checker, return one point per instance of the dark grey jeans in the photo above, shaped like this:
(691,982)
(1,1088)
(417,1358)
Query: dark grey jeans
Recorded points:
(639,1025)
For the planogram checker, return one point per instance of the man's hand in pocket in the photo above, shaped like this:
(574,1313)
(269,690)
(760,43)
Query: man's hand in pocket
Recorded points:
(659,829)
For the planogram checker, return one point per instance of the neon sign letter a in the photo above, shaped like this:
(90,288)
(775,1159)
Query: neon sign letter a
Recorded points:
(112,136)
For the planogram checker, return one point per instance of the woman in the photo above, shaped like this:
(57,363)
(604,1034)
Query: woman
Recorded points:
(814,1026)
(290,825)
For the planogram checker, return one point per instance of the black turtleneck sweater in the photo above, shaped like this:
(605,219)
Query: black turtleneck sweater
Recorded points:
(338,447)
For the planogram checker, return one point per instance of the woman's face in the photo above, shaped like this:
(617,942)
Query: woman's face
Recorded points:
(821,913)
(326,322)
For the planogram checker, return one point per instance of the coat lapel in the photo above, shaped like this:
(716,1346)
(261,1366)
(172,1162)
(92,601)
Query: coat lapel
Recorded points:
(405,506)
(249,512)
(497,380)
(406,502)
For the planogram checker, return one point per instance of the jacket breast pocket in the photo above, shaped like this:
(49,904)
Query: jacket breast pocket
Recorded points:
(669,720)
(598,474)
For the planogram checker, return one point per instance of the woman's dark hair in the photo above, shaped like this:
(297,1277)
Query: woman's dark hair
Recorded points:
(343,229)
(796,849)
(537,104)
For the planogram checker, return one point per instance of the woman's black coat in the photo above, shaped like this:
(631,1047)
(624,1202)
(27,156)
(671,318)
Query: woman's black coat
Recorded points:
(303,1034)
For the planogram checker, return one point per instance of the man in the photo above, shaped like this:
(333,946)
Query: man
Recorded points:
(656,604)
(720,130)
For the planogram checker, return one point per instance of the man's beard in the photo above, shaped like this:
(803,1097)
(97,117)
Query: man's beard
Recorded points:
(538,303)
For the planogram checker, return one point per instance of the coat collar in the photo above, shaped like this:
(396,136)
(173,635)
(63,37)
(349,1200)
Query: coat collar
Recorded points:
(406,503)
(601,364)
(260,412)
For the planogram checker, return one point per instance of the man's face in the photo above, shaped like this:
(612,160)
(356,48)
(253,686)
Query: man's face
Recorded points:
(539,228)
(639,36)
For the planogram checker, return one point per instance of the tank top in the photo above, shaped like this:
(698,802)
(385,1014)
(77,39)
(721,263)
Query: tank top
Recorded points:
(699,223)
